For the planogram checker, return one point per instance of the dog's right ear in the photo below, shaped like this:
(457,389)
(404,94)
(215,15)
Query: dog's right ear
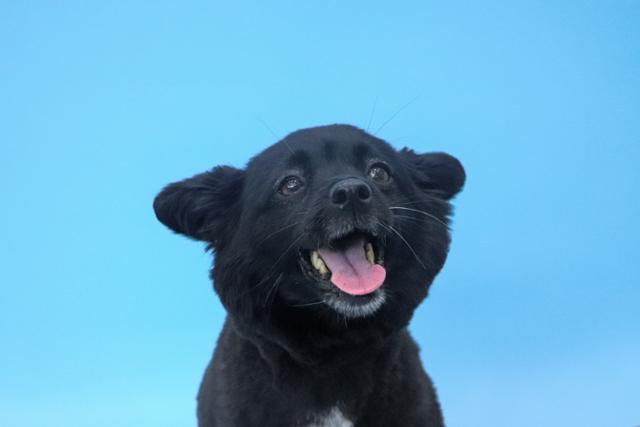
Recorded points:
(204,207)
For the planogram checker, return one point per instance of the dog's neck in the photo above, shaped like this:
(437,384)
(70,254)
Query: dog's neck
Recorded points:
(279,340)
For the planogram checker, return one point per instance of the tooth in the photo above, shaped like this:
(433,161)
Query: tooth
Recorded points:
(315,259)
(318,263)
(322,268)
(368,249)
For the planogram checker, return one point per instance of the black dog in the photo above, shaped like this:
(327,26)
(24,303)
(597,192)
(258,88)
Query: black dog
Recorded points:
(324,246)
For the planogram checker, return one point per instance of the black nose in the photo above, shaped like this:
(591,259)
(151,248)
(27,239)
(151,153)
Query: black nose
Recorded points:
(350,190)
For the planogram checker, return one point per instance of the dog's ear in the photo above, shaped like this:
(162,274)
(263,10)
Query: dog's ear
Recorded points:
(438,173)
(203,207)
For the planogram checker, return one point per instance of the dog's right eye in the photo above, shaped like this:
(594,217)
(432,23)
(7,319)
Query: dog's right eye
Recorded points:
(290,185)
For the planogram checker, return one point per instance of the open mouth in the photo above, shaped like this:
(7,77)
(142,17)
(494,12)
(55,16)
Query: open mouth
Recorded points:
(352,263)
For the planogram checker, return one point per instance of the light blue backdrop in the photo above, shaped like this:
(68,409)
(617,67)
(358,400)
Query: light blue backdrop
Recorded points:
(107,319)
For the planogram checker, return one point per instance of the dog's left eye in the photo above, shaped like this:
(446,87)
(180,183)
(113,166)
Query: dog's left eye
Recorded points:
(290,185)
(379,172)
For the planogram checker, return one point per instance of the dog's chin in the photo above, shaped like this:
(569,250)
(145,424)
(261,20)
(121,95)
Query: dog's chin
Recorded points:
(348,302)
(354,307)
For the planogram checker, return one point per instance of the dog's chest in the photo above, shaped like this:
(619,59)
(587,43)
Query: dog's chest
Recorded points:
(332,418)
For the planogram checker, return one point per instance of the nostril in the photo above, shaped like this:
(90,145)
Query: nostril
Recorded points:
(339,196)
(350,190)
(364,192)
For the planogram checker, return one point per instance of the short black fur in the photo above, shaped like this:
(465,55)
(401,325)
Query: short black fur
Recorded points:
(286,356)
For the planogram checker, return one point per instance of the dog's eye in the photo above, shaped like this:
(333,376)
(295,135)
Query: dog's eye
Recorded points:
(290,185)
(379,172)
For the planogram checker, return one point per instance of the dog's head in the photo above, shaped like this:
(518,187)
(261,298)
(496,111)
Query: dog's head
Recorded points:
(328,220)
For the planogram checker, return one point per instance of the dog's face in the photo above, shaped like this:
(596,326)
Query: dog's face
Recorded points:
(330,220)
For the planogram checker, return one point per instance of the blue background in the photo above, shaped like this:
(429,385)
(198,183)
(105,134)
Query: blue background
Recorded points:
(107,319)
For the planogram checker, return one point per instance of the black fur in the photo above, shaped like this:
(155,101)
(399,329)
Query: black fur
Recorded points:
(285,357)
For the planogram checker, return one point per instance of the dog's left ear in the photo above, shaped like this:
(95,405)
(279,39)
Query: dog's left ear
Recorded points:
(204,207)
(438,173)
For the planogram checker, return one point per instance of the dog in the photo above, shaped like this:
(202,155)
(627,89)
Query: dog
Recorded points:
(324,245)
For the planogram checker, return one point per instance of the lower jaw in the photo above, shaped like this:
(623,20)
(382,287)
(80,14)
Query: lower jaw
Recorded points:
(354,307)
(349,306)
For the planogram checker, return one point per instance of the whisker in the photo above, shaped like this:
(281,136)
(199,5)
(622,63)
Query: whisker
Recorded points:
(411,202)
(266,126)
(386,122)
(276,232)
(373,111)
(275,264)
(416,219)
(421,212)
(422,221)
(388,227)
(307,304)
(273,288)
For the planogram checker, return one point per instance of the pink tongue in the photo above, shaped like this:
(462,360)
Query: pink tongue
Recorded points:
(350,270)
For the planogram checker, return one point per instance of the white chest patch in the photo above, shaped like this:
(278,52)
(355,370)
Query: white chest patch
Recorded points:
(333,418)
